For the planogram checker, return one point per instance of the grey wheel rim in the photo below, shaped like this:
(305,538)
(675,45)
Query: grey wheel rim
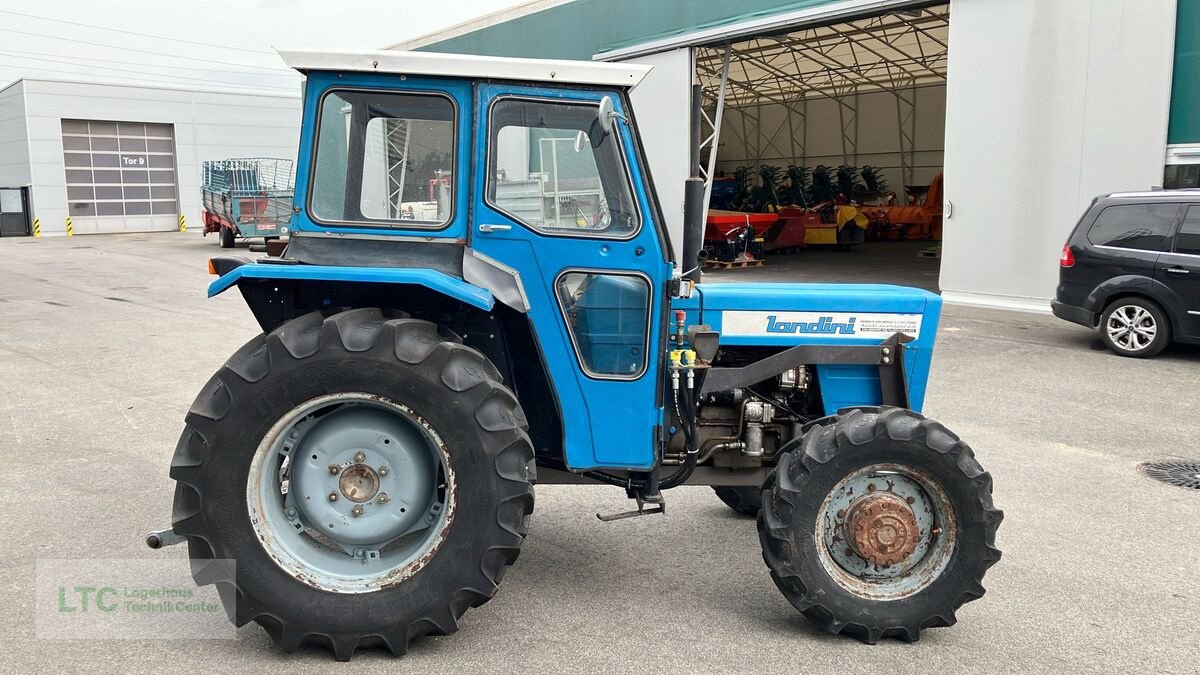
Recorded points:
(351,492)
(1131,328)
(862,523)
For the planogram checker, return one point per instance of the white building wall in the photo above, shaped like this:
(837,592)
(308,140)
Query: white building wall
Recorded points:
(208,125)
(1049,103)
(14,137)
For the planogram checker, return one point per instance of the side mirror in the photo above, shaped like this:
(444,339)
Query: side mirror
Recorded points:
(605,115)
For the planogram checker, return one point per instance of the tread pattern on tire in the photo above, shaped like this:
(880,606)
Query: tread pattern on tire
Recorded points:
(841,434)
(745,500)
(463,371)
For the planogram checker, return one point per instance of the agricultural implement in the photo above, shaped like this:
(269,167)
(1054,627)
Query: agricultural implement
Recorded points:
(368,461)
(249,197)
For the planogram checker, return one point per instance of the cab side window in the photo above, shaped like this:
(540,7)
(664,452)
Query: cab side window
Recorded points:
(552,169)
(1143,227)
(1188,239)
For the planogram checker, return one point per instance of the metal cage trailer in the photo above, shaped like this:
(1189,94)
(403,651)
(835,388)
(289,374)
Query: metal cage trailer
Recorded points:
(247,197)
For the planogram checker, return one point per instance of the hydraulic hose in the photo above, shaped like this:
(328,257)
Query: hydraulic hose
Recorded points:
(690,431)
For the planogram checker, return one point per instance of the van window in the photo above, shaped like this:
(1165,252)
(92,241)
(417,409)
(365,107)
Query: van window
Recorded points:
(1188,239)
(1143,227)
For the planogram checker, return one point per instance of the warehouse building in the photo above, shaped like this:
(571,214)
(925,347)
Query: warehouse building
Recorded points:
(1028,108)
(125,158)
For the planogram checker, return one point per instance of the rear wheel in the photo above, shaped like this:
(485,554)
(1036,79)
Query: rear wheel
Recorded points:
(1135,327)
(743,499)
(226,237)
(879,524)
(371,479)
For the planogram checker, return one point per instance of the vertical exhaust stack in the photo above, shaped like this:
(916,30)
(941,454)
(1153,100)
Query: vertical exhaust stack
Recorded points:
(693,201)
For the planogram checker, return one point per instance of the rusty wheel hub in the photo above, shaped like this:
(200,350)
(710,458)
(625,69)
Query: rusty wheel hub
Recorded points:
(882,529)
(359,483)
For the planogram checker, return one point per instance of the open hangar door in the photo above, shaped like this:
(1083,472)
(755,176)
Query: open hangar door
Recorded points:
(835,134)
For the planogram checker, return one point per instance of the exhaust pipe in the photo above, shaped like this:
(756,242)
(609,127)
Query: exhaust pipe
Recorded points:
(693,202)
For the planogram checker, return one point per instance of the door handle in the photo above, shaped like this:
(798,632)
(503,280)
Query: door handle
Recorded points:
(1177,270)
(491,227)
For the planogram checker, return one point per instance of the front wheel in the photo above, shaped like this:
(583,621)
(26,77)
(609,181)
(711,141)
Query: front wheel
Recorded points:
(370,477)
(879,523)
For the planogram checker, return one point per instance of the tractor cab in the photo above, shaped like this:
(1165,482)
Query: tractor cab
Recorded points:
(478,292)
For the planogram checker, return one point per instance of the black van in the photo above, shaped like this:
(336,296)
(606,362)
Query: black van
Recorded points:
(1131,269)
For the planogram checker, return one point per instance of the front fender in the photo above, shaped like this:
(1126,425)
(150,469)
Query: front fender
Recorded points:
(434,280)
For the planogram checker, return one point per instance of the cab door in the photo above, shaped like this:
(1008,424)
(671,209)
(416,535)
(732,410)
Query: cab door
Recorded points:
(560,198)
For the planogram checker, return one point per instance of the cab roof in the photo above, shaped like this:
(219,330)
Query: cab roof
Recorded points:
(462,65)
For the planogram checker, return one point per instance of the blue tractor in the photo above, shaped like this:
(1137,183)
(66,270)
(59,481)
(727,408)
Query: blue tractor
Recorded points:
(479,294)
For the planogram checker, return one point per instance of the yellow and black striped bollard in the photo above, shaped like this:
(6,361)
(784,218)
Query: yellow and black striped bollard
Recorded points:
(182,223)
(70,227)
(37,227)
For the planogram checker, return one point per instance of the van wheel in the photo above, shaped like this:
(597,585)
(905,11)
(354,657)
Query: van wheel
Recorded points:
(1135,327)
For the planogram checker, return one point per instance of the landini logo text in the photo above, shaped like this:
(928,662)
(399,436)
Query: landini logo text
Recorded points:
(824,325)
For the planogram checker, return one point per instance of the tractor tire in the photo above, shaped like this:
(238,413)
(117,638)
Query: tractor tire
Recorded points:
(844,548)
(745,500)
(362,383)
(226,237)
(1135,327)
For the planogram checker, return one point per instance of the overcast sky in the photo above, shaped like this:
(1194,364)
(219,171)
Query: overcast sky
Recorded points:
(111,41)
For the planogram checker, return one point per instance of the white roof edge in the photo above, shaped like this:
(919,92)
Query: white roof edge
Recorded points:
(478,23)
(462,65)
(735,32)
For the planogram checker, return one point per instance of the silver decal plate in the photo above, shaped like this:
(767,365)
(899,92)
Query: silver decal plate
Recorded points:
(843,325)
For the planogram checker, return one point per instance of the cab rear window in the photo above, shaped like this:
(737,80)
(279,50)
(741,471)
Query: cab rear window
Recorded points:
(383,159)
(1143,227)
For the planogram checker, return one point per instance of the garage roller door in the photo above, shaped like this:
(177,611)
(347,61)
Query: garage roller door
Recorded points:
(120,176)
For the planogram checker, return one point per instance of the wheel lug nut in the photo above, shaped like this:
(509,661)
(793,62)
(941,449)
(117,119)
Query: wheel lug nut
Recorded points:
(290,511)
(383,471)
(333,496)
(357,511)
(334,469)
(359,457)
(384,498)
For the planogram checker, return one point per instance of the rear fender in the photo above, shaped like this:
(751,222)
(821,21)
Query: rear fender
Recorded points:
(432,279)
(1125,284)
(1138,286)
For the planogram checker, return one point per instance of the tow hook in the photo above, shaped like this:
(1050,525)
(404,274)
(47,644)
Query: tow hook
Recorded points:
(161,538)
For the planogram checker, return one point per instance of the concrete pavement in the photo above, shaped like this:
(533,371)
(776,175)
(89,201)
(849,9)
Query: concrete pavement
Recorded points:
(104,341)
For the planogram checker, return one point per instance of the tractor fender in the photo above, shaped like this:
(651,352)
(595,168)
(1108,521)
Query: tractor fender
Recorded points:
(440,282)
